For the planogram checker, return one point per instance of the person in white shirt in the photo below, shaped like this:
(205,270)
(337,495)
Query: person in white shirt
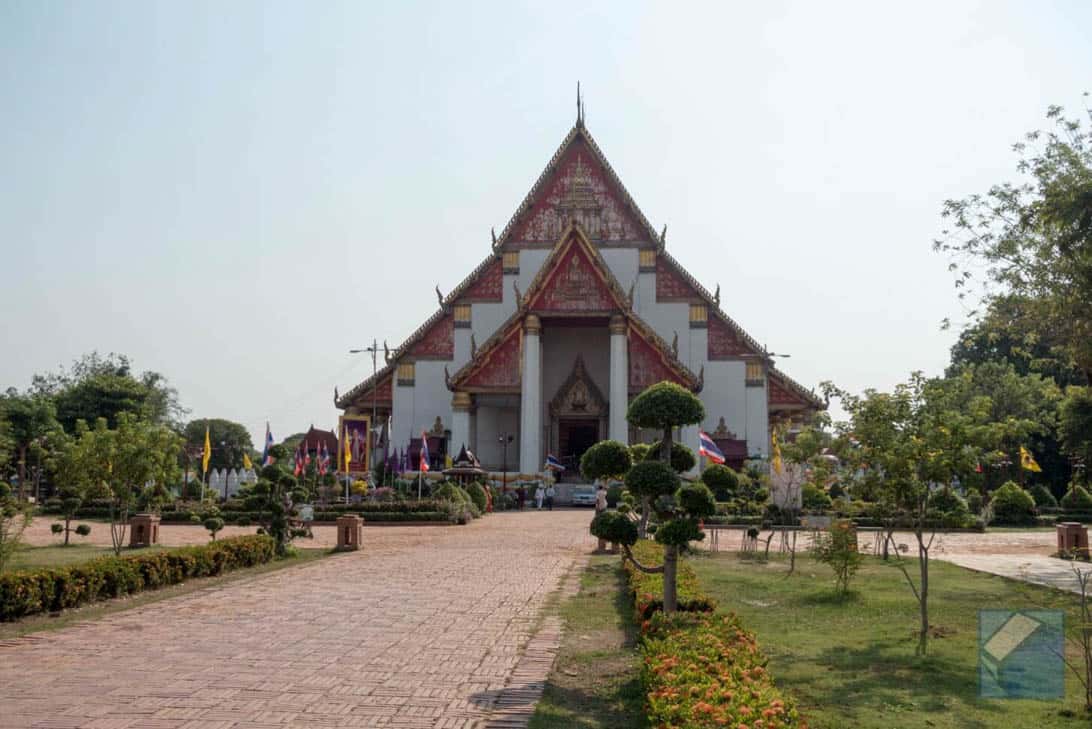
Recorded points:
(601,498)
(539,493)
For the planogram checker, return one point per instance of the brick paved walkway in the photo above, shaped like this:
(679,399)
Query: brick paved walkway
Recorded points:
(427,628)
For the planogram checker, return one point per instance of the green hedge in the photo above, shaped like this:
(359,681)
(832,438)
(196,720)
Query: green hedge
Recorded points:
(26,592)
(386,517)
(648,590)
(700,670)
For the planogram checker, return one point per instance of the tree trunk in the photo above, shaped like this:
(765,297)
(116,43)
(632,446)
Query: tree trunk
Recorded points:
(665,447)
(67,531)
(642,527)
(22,470)
(923,597)
(671,567)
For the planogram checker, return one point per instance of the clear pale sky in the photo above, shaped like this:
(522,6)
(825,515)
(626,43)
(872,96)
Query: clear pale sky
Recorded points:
(235,194)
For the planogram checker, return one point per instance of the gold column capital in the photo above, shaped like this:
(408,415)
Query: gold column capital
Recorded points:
(532,325)
(618,324)
(461,401)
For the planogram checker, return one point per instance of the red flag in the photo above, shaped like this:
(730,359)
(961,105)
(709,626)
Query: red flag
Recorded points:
(299,462)
(306,453)
(424,451)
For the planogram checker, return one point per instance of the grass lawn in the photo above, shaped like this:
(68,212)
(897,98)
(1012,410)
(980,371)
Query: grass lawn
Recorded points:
(594,683)
(58,555)
(56,621)
(850,661)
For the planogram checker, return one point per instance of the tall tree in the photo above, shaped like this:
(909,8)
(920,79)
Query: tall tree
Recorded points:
(31,418)
(1033,238)
(103,387)
(229,441)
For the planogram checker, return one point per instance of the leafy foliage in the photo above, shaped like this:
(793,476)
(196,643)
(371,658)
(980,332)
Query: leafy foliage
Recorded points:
(1012,505)
(229,441)
(651,479)
(1042,496)
(606,459)
(615,527)
(682,458)
(1077,499)
(837,548)
(722,480)
(665,405)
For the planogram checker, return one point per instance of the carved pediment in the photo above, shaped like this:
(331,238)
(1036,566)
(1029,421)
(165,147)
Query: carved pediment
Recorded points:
(578,395)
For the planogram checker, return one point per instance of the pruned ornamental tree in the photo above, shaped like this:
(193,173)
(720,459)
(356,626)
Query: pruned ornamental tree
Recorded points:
(721,480)
(682,458)
(272,497)
(679,510)
(664,406)
(607,459)
(648,481)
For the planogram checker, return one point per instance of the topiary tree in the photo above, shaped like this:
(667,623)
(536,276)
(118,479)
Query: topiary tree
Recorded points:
(665,406)
(606,459)
(214,524)
(14,519)
(721,480)
(679,511)
(1043,497)
(639,452)
(682,458)
(1077,498)
(647,481)
(1012,505)
(814,498)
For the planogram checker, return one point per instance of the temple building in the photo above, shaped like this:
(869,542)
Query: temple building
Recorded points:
(577,308)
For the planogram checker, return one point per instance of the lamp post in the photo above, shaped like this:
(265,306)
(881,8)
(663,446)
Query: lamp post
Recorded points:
(374,351)
(504,440)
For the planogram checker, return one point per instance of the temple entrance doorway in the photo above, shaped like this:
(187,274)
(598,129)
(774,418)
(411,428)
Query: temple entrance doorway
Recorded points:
(575,437)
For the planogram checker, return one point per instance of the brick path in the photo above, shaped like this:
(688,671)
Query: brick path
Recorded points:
(428,627)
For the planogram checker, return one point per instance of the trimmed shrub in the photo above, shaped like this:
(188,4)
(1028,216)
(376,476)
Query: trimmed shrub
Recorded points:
(974,502)
(614,495)
(606,459)
(1012,505)
(1042,496)
(1077,499)
(814,498)
(722,480)
(477,495)
(26,592)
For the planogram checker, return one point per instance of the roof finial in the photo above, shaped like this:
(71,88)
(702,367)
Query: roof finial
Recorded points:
(579,106)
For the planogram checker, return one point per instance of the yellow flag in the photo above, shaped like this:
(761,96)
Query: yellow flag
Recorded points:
(207,453)
(246,462)
(775,456)
(1027,461)
(346,449)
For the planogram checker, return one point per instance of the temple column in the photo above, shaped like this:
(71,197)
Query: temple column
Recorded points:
(461,404)
(619,380)
(530,434)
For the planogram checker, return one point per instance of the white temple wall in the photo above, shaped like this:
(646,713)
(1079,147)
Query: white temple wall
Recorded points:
(665,318)
(415,408)
(492,421)
(758,420)
(623,263)
(560,347)
(725,396)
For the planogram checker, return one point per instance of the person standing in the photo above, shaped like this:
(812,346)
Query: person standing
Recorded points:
(550,496)
(539,494)
(600,507)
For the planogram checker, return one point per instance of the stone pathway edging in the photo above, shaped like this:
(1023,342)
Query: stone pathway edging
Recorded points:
(517,701)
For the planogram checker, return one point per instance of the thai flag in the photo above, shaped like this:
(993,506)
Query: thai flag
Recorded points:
(424,452)
(299,462)
(552,464)
(708,448)
(306,453)
(324,459)
(266,458)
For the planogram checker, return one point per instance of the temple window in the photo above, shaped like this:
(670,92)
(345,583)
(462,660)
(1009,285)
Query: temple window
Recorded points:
(647,260)
(699,316)
(756,374)
(406,372)
(510,261)
(462,316)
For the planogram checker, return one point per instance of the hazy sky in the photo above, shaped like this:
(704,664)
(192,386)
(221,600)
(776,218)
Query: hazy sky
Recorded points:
(235,194)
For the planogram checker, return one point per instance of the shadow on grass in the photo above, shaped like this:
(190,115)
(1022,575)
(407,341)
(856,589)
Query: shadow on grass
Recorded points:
(834,598)
(883,677)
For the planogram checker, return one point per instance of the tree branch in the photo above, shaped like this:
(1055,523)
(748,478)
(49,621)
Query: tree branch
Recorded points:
(627,554)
